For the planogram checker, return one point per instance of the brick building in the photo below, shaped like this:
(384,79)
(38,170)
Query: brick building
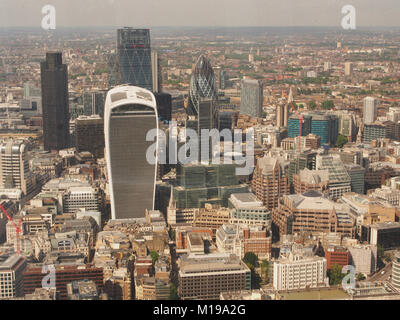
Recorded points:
(33,277)
(311,212)
(270,181)
(308,179)
(337,255)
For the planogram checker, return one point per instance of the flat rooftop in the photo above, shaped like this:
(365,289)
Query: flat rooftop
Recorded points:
(10,262)
(386,225)
(316,294)
(245,200)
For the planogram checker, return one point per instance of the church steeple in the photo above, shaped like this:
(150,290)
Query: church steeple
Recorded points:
(290,98)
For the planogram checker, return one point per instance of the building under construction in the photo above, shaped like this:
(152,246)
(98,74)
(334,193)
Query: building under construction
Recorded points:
(200,184)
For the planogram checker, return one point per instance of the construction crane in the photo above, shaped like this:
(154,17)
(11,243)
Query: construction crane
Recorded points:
(299,116)
(17,228)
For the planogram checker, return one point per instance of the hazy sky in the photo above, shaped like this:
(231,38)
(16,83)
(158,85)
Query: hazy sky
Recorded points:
(77,13)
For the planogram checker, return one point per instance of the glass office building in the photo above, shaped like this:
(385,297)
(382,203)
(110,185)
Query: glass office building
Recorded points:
(293,126)
(134,57)
(93,103)
(200,184)
(325,126)
(374,131)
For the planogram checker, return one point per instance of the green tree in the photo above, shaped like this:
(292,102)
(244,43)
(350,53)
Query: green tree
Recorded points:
(335,275)
(360,277)
(154,256)
(341,141)
(312,105)
(265,270)
(250,258)
(381,252)
(172,235)
(173,292)
(327,105)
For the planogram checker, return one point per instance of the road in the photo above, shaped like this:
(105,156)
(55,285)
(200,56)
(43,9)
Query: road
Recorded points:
(378,276)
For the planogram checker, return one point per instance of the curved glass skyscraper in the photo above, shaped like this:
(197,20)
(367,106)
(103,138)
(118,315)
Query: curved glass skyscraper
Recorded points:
(130,112)
(202,85)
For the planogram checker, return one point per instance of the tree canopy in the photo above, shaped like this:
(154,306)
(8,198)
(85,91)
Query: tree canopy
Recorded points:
(360,277)
(265,269)
(250,258)
(173,292)
(312,105)
(154,256)
(327,105)
(335,275)
(341,141)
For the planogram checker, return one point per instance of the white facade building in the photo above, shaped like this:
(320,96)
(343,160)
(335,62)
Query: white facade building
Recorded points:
(11,277)
(370,109)
(299,272)
(364,258)
(81,197)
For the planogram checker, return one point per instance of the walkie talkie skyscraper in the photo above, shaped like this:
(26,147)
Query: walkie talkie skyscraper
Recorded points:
(130,112)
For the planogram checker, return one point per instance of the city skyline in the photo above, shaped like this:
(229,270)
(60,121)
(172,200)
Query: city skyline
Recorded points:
(308,189)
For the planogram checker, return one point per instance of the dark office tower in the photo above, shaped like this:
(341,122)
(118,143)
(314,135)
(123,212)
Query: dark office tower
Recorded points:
(202,85)
(130,113)
(54,77)
(225,120)
(207,114)
(251,98)
(206,120)
(89,134)
(134,57)
(164,106)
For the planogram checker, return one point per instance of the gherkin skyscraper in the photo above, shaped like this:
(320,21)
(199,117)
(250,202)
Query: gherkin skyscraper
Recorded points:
(202,85)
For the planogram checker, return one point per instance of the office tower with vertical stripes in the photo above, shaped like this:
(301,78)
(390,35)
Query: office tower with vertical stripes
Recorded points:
(251,98)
